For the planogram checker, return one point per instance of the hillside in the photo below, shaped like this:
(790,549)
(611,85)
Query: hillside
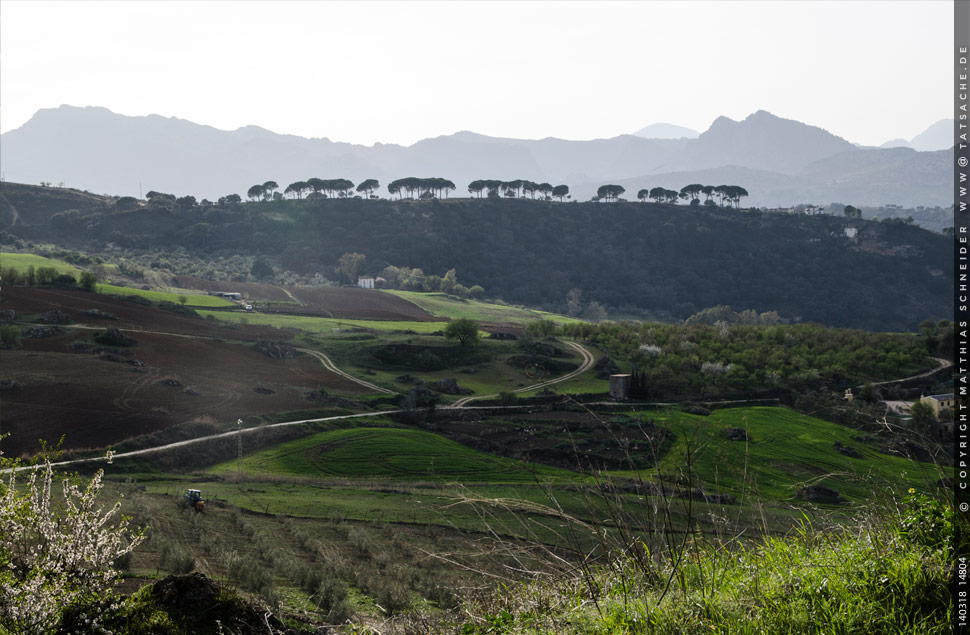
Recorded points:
(640,260)
(95,149)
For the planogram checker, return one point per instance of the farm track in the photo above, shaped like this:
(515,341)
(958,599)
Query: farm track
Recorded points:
(588,360)
(124,401)
(293,297)
(329,365)
(943,363)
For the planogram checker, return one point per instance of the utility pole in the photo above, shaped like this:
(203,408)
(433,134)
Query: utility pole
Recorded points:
(239,450)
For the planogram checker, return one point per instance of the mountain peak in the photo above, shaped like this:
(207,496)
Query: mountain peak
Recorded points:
(666,131)
(766,141)
(761,114)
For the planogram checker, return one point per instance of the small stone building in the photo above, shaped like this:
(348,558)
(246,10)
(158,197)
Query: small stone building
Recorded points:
(620,386)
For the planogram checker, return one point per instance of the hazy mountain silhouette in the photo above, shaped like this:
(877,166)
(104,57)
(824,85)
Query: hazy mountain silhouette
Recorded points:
(939,136)
(781,162)
(764,141)
(895,143)
(666,131)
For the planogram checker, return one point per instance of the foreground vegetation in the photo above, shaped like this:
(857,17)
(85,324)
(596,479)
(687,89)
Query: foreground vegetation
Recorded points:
(885,573)
(885,570)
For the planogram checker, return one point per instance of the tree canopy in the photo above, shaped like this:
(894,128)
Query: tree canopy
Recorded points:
(464,330)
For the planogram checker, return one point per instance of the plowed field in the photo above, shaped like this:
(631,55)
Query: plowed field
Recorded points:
(251,290)
(173,374)
(361,304)
(130,315)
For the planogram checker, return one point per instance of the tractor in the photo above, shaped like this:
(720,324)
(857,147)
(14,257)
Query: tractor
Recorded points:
(193,499)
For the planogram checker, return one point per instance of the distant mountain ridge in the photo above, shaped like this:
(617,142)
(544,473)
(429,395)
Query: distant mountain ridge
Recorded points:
(939,136)
(95,149)
(666,131)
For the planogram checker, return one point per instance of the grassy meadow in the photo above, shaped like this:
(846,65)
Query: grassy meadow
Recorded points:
(193,298)
(321,325)
(785,451)
(384,453)
(449,306)
(21,262)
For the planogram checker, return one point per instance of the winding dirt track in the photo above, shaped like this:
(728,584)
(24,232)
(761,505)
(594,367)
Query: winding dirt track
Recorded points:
(943,363)
(588,361)
(329,365)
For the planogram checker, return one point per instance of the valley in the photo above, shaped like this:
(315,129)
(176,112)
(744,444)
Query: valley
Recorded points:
(358,462)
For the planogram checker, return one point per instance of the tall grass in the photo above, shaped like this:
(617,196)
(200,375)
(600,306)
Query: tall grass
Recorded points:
(657,568)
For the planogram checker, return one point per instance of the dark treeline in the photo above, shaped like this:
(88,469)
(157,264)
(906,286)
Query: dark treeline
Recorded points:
(644,260)
(412,187)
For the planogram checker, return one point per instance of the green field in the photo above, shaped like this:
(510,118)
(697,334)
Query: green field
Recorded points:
(372,503)
(321,325)
(21,262)
(485,372)
(443,305)
(193,299)
(388,453)
(786,451)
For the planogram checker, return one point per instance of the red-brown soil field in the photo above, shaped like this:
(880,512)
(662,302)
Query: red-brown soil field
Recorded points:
(180,374)
(361,304)
(251,290)
(130,315)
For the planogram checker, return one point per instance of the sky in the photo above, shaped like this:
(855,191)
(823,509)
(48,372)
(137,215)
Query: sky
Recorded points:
(398,72)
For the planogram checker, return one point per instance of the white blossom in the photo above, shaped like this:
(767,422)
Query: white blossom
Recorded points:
(52,555)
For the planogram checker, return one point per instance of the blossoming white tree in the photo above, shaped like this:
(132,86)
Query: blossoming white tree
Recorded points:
(55,553)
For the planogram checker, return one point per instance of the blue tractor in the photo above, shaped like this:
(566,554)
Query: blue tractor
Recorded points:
(193,498)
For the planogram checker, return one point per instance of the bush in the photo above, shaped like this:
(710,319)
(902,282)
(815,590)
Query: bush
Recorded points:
(113,337)
(10,335)
(87,281)
(507,399)
(175,559)
(932,523)
(540,328)
(51,555)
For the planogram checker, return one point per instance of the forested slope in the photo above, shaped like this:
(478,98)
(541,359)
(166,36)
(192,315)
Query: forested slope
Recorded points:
(636,259)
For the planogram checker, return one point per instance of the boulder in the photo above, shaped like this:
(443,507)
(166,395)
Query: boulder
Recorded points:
(820,494)
(55,317)
(847,450)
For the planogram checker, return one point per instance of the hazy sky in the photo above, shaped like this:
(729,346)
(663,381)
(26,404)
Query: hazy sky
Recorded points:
(401,71)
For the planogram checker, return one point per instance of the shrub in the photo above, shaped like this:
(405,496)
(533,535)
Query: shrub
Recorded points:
(507,399)
(87,281)
(10,335)
(175,559)
(931,523)
(113,337)
(53,555)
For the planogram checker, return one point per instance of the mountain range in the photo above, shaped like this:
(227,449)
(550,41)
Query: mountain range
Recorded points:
(939,136)
(780,162)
